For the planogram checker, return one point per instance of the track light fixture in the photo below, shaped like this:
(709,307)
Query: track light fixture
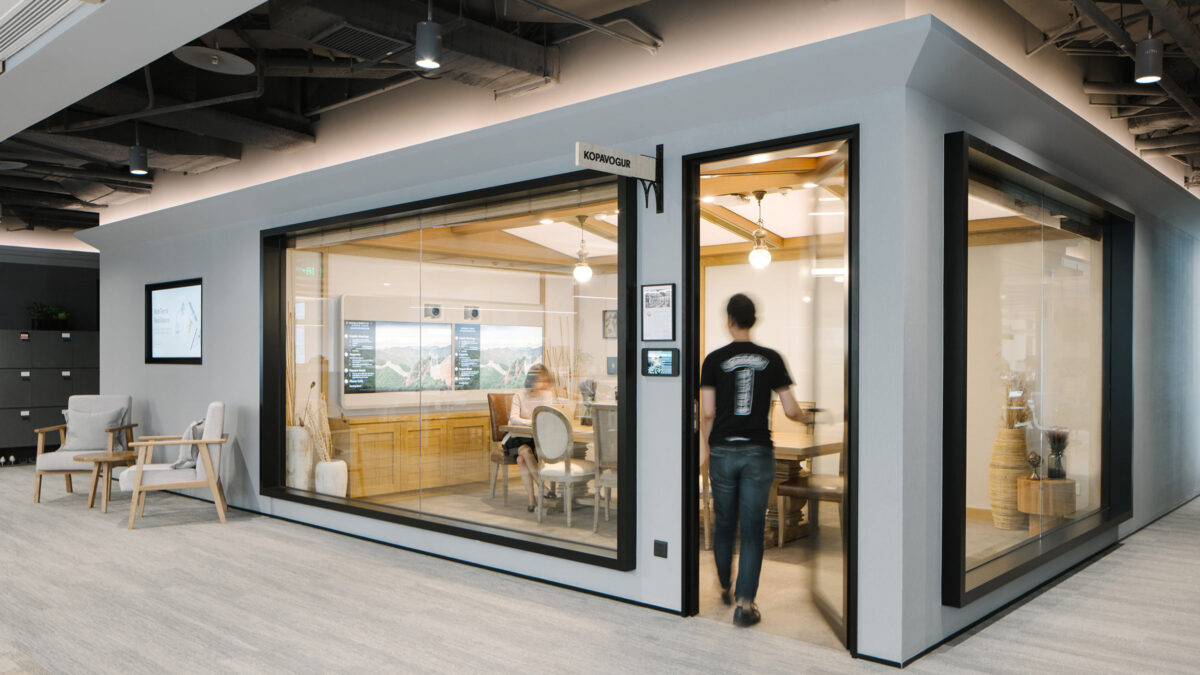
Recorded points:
(760,257)
(428,43)
(583,271)
(138,164)
(1148,57)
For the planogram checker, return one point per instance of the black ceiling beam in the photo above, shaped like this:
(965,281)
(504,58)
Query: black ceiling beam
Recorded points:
(290,66)
(118,99)
(32,185)
(44,199)
(55,219)
(125,182)
(169,141)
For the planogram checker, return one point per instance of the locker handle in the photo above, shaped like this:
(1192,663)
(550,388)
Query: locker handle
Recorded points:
(66,337)
(66,374)
(25,375)
(24,414)
(23,337)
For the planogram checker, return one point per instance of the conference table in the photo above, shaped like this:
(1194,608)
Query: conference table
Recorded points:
(792,448)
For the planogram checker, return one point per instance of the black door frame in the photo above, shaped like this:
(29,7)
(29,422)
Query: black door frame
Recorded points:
(689,367)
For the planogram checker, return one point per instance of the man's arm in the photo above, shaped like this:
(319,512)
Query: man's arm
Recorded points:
(791,408)
(708,412)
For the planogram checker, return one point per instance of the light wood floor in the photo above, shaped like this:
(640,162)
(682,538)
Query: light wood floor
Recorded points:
(184,594)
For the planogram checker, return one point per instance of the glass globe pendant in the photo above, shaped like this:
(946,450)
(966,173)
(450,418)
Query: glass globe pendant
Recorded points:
(760,256)
(583,271)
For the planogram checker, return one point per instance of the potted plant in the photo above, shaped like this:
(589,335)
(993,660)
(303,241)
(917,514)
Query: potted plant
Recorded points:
(46,317)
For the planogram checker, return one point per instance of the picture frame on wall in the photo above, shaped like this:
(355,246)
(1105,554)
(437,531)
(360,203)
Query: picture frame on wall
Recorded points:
(658,312)
(611,325)
(174,322)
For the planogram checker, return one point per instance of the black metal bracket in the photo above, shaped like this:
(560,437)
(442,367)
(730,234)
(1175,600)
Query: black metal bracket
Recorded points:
(657,184)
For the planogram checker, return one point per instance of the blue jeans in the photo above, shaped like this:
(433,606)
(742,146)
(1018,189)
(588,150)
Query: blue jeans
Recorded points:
(741,477)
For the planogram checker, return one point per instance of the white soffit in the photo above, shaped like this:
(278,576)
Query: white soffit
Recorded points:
(96,45)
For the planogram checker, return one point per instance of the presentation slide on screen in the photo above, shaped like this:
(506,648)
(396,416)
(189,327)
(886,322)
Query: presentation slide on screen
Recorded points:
(175,322)
(385,356)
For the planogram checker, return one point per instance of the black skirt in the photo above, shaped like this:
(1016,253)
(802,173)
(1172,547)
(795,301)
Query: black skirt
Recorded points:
(514,443)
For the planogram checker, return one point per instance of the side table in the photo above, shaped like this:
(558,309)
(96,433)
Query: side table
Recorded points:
(1046,501)
(102,465)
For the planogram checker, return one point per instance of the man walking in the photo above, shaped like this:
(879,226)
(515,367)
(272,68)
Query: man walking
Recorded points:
(736,382)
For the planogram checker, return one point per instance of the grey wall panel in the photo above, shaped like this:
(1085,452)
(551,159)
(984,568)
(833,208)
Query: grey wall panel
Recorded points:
(74,289)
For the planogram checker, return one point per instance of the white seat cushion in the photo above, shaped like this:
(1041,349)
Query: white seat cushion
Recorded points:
(64,460)
(607,478)
(580,468)
(156,474)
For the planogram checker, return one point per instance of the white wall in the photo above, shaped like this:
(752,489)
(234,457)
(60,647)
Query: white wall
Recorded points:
(932,82)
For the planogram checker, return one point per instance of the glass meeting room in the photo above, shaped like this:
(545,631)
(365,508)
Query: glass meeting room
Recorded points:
(460,364)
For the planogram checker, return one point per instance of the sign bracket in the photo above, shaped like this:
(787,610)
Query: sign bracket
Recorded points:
(657,183)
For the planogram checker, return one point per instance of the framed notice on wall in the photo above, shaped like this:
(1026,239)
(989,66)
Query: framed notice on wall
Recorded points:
(658,313)
(173,322)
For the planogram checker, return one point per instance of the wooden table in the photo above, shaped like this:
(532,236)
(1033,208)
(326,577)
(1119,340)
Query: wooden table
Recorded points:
(102,465)
(582,434)
(1047,501)
(795,447)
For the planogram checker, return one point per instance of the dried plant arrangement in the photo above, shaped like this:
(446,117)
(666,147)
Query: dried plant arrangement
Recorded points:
(316,421)
(1016,411)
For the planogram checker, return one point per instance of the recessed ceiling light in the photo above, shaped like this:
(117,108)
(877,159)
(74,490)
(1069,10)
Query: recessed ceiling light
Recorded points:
(708,199)
(546,221)
(810,186)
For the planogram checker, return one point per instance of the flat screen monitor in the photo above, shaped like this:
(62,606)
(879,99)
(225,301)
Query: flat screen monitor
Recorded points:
(174,322)
(404,356)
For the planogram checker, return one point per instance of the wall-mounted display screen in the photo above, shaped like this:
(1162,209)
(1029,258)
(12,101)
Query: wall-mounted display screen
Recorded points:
(390,356)
(173,322)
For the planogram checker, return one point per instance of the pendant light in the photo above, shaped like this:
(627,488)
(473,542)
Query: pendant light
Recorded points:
(428,43)
(583,271)
(138,163)
(760,257)
(1148,57)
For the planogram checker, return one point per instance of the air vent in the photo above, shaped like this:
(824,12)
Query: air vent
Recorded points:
(28,20)
(358,42)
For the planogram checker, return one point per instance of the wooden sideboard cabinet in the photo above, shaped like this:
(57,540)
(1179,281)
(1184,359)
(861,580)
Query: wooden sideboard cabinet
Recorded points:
(399,453)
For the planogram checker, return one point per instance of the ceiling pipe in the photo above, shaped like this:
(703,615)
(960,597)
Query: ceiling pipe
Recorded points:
(599,28)
(1167,152)
(1122,40)
(650,37)
(362,97)
(1118,89)
(258,91)
(1175,141)
(1146,123)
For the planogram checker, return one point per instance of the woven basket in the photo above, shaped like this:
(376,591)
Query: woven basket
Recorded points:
(1008,464)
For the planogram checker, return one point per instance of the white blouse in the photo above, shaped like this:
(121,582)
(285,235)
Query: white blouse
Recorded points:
(523,404)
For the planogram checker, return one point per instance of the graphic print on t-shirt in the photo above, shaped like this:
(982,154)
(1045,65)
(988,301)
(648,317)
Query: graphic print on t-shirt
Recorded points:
(745,366)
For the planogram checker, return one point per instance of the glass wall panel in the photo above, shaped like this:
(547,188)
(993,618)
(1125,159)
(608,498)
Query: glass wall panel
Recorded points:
(468,357)
(1035,359)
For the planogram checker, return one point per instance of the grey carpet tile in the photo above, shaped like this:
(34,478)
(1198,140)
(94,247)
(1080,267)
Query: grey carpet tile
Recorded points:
(185,594)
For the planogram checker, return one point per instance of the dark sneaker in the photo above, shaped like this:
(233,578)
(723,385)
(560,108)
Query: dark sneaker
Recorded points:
(746,616)
(726,597)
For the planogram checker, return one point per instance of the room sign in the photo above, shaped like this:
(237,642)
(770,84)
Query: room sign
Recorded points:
(646,169)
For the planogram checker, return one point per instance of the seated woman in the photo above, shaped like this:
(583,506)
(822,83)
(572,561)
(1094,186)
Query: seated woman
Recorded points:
(539,390)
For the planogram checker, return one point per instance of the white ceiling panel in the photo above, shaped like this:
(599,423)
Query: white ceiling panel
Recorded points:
(564,238)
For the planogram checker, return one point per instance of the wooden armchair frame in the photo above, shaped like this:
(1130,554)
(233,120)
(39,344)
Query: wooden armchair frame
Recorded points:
(62,437)
(145,450)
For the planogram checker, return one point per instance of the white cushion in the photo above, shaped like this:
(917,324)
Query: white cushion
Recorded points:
(580,468)
(86,430)
(63,460)
(156,474)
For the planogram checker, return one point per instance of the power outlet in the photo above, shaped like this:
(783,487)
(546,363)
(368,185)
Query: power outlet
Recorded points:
(660,548)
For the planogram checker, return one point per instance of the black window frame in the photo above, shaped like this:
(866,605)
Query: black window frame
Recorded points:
(177,360)
(961,586)
(272,460)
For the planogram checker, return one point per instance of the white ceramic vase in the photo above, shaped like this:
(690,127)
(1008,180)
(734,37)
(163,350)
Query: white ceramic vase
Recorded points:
(332,478)
(300,459)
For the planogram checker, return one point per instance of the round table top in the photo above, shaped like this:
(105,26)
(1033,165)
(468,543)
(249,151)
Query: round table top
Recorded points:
(125,456)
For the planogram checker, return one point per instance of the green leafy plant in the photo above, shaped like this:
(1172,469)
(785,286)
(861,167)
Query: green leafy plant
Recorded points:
(40,310)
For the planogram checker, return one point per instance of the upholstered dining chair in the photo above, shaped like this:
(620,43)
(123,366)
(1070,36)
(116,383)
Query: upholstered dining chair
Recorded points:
(499,406)
(94,423)
(815,489)
(604,420)
(555,439)
(205,471)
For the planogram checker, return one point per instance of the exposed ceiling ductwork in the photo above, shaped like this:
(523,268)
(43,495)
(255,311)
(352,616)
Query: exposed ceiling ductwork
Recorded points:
(1164,117)
(275,71)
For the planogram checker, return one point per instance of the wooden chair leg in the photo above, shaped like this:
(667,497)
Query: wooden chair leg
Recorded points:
(94,483)
(37,488)
(218,497)
(570,499)
(142,506)
(596,510)
(137,487)
(607,502)
(106,480)
(539,498)
(224,501)
(814,514)
(780,507)
(507,479)
(495,472)
(69,488)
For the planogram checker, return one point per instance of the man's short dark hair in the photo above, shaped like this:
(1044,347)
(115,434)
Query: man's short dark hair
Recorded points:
(741,311)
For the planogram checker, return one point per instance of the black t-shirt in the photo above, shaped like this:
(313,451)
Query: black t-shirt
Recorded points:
(744,375)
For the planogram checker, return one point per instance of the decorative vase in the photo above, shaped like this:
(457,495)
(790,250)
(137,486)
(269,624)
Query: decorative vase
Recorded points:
(300,459)
(1054,468)
(1008,464)
(332,478)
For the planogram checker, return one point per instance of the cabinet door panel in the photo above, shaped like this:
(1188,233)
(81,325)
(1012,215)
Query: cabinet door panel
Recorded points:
(15,352)
(373,459)
(50,388)
(467,449)
(15,392)
(85,349)
(50,350)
